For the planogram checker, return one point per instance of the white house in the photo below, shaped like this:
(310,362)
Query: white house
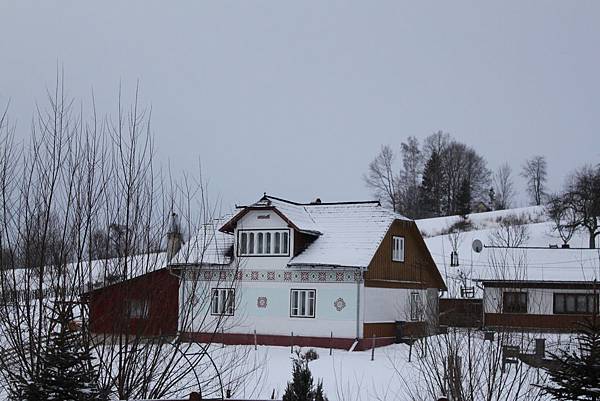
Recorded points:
(280,272)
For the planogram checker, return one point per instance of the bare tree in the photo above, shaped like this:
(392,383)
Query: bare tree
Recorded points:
(535,171)
(563,217)
(503,187)
(382,179)
(463,366)
(61,193)
(582,198)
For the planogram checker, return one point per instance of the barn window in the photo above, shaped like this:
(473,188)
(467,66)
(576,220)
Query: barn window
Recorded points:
(138,308)
(259,243)
(398,249)
(303,303)
(514,302)
(222,301)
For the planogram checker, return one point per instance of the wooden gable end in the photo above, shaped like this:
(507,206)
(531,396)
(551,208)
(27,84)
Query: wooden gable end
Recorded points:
(418,269)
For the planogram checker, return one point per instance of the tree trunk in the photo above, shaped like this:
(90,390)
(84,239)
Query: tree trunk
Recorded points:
(593,239)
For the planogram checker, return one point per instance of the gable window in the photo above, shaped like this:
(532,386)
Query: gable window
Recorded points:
(138,308)
(260,243)
(251,243)
(302,303)
(576,303)
(398,249)
(222,301)
(514,302)
(415,306)
(263,242)
(284,242)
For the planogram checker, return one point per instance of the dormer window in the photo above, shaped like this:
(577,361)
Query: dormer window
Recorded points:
(263,242)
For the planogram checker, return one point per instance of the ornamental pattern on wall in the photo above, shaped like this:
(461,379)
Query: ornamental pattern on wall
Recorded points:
(298,276)
(339,304)
(261,302)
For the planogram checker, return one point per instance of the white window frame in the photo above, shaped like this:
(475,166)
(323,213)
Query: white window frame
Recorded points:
(398,248)
(263,242)
(222,302)
(416,306)
(138,308)
(303,303)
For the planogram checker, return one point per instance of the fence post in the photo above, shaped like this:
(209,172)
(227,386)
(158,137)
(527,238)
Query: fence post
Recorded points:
(331,344)
(373,349)
(292,344)
(255,342)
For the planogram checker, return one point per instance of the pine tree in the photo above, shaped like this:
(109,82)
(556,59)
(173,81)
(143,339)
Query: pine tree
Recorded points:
(69,372)
(430,191)
(576,375)
(301,387)
(463,206)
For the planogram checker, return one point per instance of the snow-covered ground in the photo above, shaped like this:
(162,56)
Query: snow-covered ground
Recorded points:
(346,375)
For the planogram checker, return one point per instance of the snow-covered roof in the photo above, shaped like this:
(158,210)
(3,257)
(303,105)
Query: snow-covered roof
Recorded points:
(351,234)
(346,234)
(208,246)
(534,261)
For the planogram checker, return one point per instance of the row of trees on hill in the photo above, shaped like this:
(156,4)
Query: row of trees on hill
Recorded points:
(443,177)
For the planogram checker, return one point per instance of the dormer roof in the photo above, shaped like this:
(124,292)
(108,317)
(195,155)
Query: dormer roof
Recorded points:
(349,233)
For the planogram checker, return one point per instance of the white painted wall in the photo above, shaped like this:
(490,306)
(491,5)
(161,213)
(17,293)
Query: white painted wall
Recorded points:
(391,304)
(275,318)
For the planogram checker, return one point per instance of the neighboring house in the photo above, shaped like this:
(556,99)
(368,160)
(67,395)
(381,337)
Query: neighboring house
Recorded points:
(549,289)
(319,274)
(535,286)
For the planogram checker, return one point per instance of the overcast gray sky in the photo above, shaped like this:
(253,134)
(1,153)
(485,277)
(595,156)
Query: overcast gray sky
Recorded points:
(295,98)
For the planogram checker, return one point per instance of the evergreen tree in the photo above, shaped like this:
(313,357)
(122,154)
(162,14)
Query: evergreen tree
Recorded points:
(463,206)
(576,375)
(301,387)
(430,191)
(69,372)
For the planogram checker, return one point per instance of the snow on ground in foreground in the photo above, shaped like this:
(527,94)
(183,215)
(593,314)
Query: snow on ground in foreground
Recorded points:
(346,375)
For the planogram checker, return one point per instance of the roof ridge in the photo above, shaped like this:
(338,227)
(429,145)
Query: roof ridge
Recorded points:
(322,203)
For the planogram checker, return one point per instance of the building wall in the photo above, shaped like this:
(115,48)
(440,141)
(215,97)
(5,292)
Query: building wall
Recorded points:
(274,317)
(108,306)
(540,301)
(418,267)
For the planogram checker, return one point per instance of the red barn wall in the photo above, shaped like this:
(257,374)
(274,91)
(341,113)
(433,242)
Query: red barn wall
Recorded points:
(108,306)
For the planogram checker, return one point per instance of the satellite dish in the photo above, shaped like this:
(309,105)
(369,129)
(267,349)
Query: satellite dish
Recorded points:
(477,246)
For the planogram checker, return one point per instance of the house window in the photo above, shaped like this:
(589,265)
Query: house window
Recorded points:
(514,302)
(244,243)
(260,243)
(415,306)
(576,303)
(302,303)
(398,249)
(138,308)
(277,242)
(263,242)
(222,301)
(251,243)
